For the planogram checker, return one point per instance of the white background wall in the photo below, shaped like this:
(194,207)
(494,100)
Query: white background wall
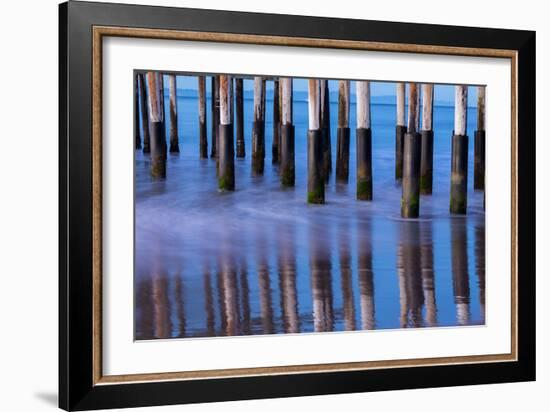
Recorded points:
(28,203)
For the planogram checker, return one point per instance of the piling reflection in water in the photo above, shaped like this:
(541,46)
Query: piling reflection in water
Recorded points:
(230,297)
(287,279)
(365,274)
(461,279)
(208,302)
(321,282)
(245,299)
(344,252)
(281,287)
(428,275)
(480,267)
(410,275)
(264,283)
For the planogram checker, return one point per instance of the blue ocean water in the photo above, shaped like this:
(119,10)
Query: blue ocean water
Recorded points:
(261,260)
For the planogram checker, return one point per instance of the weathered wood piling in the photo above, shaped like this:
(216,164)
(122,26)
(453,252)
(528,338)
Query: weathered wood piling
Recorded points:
(315,178)
(203,139)
(400,130)
(275,149)
(156,121)
(215,106)
(226,171)
(363,140)
(459,155)
(343,137)
(427,140)
(174,138)
(410,200)
(287,134)
(258,127)
(325,130)
(144,113)
(479,142)
(239,117)
(137,131)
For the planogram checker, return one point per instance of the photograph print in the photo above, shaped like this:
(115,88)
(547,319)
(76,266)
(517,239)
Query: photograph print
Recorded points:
(275,205)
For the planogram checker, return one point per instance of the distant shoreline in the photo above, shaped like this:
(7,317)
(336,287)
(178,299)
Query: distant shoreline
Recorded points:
(302,97)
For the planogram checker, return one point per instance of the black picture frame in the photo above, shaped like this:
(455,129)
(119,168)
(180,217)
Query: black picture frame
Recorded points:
(77,390)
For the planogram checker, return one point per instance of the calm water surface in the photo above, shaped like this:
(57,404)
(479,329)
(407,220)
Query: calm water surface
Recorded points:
(262,261)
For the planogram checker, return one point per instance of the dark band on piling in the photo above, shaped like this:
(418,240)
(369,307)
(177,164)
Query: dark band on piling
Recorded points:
(479,160)
(144,113)
(399,144)
(287,155)
(315,178)
(137,130)
(239,117)
(158,151)
(174,144)
(203,140)
(426,161)
(327,153)
(342,155)
(275,149)
(325,128)
(459,174)
(226,175)
(215,102)
(258,147)
(410,200)
(364,163)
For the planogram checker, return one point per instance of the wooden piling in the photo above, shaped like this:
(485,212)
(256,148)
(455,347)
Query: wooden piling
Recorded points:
(215,106)
(287,134)
(174,143)
(325,129)
(315,179)
(342,152)
(400,130)
(239,118)
(276,124)
(363,140)
(226,171)
(459,155)
(427,140)
(202,118)
(258,127)
(137,130)
(479,142)
(144,113)
(156,118)
(410,200)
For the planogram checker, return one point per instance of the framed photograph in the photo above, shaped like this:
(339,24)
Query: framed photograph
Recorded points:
(257,205)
